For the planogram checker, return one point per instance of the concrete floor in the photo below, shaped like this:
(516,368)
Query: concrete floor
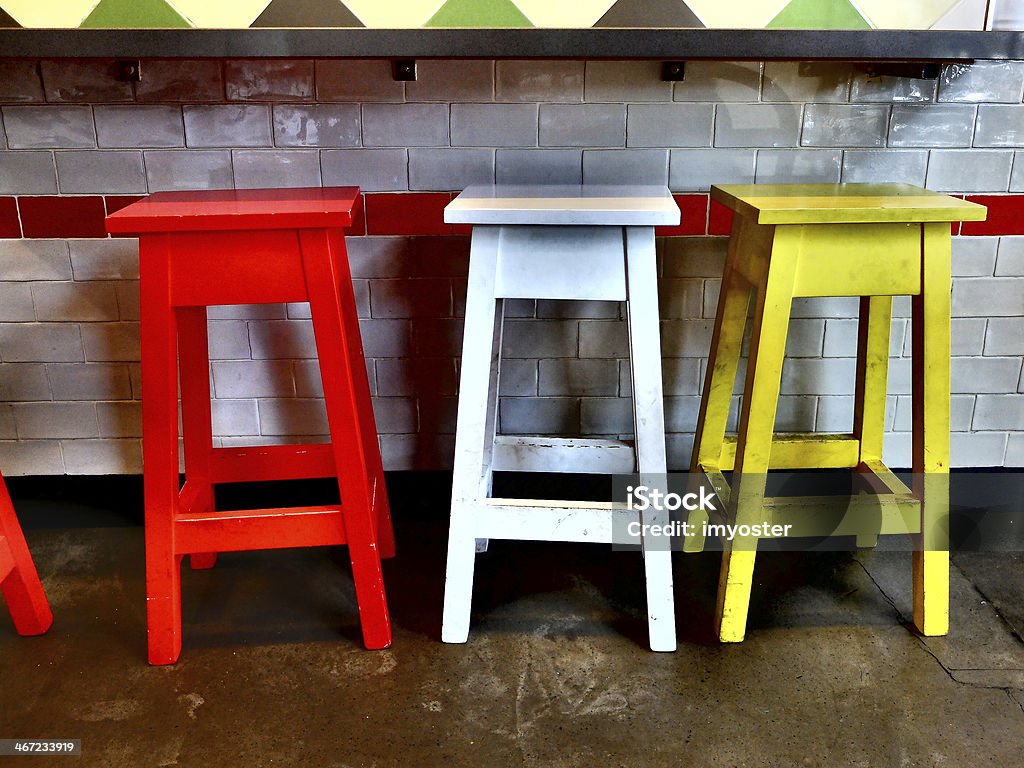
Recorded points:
(555,673)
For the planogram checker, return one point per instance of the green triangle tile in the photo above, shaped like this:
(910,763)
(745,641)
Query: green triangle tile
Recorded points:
(134,14)
(819,14)
(649,13)
(6,20)
(478,13)
(307,13)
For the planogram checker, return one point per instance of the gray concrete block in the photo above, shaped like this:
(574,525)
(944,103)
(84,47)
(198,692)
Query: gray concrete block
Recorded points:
(584,310)
(27,173)
(538,80)
(413,298)
(317,125)
(695,170)
(1000,81)
(680,376)
(625,166)
(268,79)
(967,337)
(450,169)
(181,80)
(542,338)
(405,125)
(999,125)
(539,416)
(716,81)
(265,168)
(891,89)
(118,172)
(252,378)
(356,80)
(1017,177)
(84,80)
(72,302)
(43,420)
(41,343)
(139,126)
(603,339)
(606,416)
(795,413)
(680,298)
(452,81)
(49,127)
(621,81)
(229,340)
(939,125)
(282,339)
(228,125)
(538,166)
(188,169)
(372,170)
(686,338)
(978,170)
(692,256)
(583,125)
(35,260)
(819,376)
(235,417)
(20,81)
(518,378)
(975,256)
(844,125)
(978,375)
(23,382)
(569,376)
(805,338)
(798,166)
(669,125)
(977,449)
(999,412)
(1010,262)
(89,381)
(757,125)
(835,414)
(806,81)
(1005,336)
(883,165)
(292,416)
(494,125)
(16,302)
(1015,451)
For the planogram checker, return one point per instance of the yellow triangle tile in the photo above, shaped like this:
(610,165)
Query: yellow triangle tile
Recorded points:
(394,14)
(737,14)
(56,13)
(886,14)
(228,14)
(579,13)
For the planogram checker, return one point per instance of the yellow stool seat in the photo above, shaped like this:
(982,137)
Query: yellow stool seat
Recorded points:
(874,241)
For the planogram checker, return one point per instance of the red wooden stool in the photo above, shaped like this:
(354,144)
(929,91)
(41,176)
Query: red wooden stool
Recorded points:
(18,578)
(198,249)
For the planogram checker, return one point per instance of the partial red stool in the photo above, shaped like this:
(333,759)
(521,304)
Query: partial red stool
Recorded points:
(19,581)
(198,249)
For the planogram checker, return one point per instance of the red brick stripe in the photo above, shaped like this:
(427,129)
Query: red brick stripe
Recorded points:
(422,213)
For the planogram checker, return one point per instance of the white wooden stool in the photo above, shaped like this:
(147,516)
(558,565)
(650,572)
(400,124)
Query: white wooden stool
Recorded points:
(555,242)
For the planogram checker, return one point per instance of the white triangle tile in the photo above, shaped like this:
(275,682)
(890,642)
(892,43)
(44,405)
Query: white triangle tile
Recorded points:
(54,13)
(394,14)
(919,14)
(967,14)
(579,13)
(736,14)
(207,14)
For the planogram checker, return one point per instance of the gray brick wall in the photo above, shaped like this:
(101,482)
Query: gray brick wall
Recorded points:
(69,346)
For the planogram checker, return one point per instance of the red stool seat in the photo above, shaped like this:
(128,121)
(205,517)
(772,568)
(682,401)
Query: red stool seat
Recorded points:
(198,249)
(19,581)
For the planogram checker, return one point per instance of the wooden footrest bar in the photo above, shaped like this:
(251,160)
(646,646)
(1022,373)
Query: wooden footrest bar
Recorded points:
(550,520)
(521,453)
(258,529)
(802,451)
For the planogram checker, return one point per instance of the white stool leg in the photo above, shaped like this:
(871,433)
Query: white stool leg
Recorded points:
(649,425)
(474,439)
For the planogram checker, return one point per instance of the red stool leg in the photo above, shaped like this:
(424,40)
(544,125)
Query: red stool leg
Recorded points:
(361,389)
(196,419)
(160,450)
(19,581)
(340,379)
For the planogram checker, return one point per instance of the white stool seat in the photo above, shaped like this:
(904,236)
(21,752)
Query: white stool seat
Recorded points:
(555,242)
(599,205)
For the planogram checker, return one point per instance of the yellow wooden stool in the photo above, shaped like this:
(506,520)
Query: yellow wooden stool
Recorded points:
(875,241)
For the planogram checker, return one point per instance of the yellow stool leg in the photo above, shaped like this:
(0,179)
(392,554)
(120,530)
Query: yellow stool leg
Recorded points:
(874,328)
(757,424)
(931,331)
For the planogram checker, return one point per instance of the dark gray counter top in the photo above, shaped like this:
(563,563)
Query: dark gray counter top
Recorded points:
(602,43)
